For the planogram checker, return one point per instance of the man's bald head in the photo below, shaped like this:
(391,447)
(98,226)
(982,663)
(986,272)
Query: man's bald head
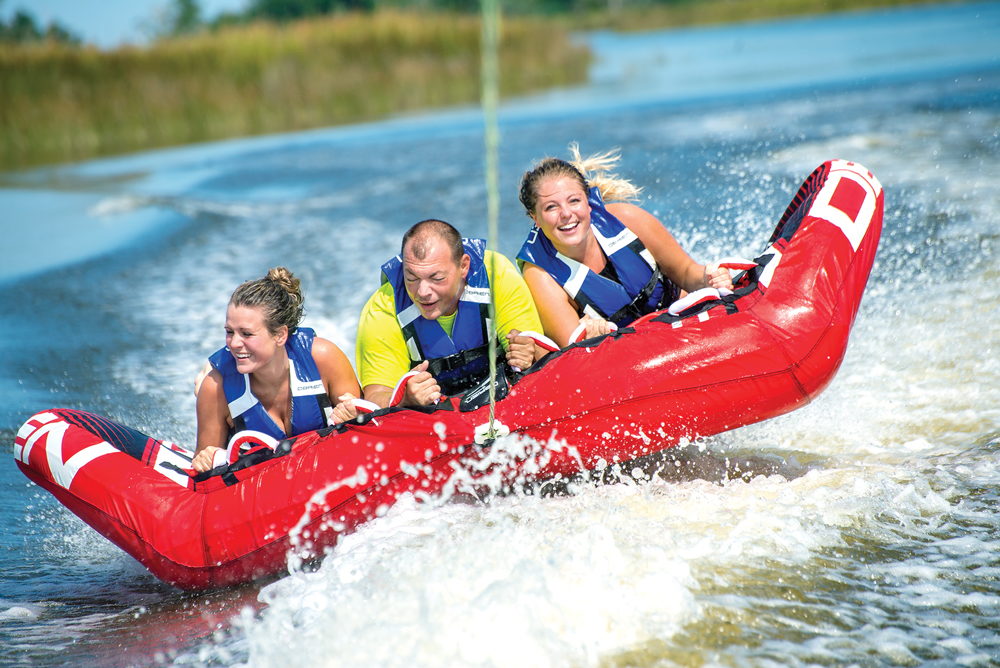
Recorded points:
(418,239)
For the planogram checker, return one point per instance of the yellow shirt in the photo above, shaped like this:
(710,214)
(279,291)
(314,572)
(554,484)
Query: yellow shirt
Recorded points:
(380,350)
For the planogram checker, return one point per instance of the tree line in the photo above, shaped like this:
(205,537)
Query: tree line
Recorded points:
(23,28)
(182,17)
(282,11)
(287,10)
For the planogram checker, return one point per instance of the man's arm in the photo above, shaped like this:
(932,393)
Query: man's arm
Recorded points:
(382,358)
(422,389)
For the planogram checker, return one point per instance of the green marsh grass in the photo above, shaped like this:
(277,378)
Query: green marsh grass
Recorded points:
(60,103)
(679,13)
(63,103)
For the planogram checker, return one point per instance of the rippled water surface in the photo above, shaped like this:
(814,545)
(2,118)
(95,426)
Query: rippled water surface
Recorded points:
(860,529)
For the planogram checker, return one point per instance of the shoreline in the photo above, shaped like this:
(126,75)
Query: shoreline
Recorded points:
(122,193)
(67,104)
(76,104)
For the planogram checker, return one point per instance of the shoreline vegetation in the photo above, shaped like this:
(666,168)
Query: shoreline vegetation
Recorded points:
(64,102)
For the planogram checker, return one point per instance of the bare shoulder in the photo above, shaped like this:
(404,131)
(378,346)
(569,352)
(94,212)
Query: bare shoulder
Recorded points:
(627,208)
(323,346)
(536,277)
(633,216)
(325,349)
(548,294)
(212,380)
(210,391)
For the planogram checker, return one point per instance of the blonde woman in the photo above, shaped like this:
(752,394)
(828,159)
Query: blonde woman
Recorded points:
(593,259)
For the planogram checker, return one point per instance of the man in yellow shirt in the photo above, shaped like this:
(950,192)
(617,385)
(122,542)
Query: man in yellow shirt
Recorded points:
(430,315)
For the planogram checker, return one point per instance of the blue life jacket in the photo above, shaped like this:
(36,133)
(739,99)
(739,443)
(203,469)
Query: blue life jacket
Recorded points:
(311,406)
(461,360)
(640,287)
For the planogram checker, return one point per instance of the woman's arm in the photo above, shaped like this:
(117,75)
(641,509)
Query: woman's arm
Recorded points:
(338,377)
(673,261)
(555,309)
(213,421)
(335,369)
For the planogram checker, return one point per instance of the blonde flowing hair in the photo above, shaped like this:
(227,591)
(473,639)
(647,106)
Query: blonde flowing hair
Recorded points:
(593,171)
(596,169)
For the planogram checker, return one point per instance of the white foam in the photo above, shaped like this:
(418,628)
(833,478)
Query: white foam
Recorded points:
(19,612)
(576,579)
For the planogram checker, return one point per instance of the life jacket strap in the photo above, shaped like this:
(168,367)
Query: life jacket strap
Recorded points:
(635,309)
(457,360)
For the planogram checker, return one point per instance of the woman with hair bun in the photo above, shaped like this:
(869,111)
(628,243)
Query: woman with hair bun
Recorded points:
(272,376)
(592,264)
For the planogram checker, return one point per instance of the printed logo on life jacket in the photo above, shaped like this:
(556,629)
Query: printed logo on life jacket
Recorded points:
(478,295)
(311,387)
(617,242)
(848,199)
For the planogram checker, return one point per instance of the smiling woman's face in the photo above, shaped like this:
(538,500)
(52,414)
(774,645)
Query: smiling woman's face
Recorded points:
(562,212)
(248,338)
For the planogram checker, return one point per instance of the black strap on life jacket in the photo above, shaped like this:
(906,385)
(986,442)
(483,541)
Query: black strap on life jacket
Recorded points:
(463,370)
(637,308)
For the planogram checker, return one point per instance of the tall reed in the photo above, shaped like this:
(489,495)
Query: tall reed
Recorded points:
(60,103)
(652,14)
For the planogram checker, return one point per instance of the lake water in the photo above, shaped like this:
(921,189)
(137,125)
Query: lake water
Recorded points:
(866,530)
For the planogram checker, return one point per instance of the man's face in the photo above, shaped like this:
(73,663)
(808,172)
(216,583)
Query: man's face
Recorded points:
(436,281)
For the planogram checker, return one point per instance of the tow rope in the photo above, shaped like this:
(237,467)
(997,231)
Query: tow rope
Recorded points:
(489,98)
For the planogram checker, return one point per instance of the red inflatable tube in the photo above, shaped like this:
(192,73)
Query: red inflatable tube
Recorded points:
(768,348)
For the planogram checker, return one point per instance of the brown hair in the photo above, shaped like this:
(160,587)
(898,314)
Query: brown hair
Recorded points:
(594,170)
(420,234)
(278,295)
